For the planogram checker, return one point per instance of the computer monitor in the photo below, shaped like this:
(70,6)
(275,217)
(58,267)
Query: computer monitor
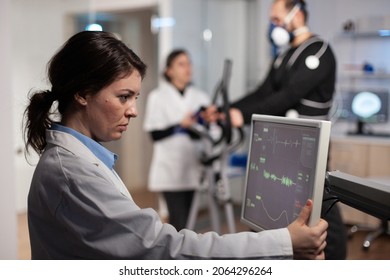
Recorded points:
(286,166)
(365,107)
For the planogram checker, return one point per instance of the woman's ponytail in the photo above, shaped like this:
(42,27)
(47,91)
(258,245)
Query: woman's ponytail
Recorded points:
(37,120)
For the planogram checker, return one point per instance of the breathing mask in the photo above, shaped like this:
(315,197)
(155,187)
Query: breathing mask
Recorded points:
(279,35)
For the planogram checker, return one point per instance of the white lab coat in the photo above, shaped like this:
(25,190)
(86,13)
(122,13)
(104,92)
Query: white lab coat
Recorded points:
(80,209)
(175,163)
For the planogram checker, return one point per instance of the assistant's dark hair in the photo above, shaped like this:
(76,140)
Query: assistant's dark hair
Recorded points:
(88,62)
(170,58)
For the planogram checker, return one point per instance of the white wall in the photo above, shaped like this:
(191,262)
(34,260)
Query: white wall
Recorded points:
(37,32)
(227,19)
(8,240)
(327,18)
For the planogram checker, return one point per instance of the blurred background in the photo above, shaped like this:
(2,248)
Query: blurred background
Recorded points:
(211,30)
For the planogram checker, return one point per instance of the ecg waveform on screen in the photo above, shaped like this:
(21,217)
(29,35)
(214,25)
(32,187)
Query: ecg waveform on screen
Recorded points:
(285,143)
(286,181)
(274,140)
(278,141)
(276,218)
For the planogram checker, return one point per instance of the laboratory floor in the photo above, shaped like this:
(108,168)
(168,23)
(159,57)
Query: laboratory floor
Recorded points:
(379,249)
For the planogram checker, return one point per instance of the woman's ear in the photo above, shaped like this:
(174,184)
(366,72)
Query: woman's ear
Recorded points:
(80,99)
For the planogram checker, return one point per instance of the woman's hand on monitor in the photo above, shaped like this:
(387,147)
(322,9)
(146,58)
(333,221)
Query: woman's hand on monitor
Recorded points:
(308,242)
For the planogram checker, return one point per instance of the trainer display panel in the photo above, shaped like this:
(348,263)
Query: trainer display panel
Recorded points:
(286,166)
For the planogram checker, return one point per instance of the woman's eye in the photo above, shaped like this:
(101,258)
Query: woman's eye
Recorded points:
(124,97)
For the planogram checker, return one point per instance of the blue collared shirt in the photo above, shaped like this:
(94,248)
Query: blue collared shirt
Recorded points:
(106,156)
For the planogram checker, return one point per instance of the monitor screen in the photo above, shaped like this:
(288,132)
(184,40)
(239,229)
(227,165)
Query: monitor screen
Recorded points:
(286,166)
(368,106)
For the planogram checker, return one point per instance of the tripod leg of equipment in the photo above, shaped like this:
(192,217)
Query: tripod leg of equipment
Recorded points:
(207,188)
(214,214)
(230,217)
(194,210)
(225,195)
(228,205)
(212,202)
(383,229)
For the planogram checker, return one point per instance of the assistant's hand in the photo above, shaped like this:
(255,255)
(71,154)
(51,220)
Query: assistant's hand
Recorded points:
(210,114)
(188,120)
(308,242)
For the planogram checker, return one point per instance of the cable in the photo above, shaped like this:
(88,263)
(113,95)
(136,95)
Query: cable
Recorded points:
(331,205)
(327,191)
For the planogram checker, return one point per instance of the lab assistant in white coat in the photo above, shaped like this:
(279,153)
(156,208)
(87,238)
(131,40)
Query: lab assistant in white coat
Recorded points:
(175,163)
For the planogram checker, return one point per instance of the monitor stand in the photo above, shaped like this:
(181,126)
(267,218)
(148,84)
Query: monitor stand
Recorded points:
(362,131)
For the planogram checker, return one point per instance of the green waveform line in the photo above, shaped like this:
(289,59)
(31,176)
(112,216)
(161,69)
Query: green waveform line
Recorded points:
(284,180)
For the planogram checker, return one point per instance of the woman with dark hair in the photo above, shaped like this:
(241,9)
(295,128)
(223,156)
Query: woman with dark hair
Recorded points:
(78,207)
(171,109)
